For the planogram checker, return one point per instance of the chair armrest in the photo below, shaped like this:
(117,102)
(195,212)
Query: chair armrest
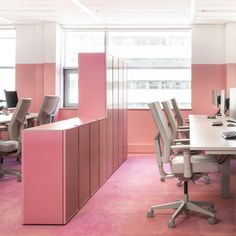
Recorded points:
(187,159)
(183,130)
(182,140)
(184,127)
(180,147)
(186,120)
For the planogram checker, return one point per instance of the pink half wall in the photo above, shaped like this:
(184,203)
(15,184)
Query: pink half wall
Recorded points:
(231,76)
(35,81)
(204,79)
(141,128)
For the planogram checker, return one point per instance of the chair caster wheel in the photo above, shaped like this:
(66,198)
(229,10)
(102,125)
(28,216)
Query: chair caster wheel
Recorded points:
(19,179)
(211,208)
(179,183)
(150,213)
(186,212)
(162,179)
(212,220)
(171,224)
(207,179)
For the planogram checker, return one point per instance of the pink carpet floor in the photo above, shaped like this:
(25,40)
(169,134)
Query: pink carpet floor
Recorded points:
(119,207)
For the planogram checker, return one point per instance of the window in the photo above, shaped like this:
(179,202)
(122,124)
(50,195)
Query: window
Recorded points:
(159,63)
(77,42)
(71,88)
(7,60)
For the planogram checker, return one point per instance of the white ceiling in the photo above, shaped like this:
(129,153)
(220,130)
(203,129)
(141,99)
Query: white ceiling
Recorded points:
(112,13)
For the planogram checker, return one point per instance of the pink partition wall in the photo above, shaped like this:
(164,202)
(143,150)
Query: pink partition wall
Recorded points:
(92,85)
(102,151)
(50,173)
(94,157)
(79,155)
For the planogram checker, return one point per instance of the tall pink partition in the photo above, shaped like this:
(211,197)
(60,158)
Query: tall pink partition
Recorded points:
(92,86)
(65,163)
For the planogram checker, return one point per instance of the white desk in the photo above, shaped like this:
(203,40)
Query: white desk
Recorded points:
(7,118)
(204,136)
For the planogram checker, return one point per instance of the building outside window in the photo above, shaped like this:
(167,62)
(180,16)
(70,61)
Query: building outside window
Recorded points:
(159,63)
(7,60)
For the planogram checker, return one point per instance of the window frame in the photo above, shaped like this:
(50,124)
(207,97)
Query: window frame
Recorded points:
(66,73)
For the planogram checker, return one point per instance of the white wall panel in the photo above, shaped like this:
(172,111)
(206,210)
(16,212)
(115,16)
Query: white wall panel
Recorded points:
(231,43)
(208,44)
(29,44)
(39,43)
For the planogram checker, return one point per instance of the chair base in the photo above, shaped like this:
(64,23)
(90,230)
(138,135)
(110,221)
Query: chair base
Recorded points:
(183,206)
(12,172)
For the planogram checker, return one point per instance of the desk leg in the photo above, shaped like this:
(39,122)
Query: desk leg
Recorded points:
(225,178)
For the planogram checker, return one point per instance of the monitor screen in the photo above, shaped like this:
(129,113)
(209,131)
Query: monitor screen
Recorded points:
(11,98)
(215,100)
(222,101)
(232,105)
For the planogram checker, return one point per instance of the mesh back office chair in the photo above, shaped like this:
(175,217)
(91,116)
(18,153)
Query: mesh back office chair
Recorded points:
(175,128)
(177,112)
(13,145)
(48,109)
(184,166)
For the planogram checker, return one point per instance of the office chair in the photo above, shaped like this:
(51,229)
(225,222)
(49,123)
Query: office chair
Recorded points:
(12,146)
(175,128)
(48,109)
(177,112)
(184,166)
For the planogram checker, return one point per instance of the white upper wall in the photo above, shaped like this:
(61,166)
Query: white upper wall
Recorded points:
(230,43)
(29,44)
(37,44)
(208,44)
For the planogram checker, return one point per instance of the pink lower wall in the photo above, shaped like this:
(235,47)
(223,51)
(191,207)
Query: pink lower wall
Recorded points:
(231,76)
(141,129)
(204,79)
(49,78)
(35,81)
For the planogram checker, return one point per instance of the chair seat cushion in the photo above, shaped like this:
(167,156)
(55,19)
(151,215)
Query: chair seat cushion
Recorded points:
(8,146)
(200,164)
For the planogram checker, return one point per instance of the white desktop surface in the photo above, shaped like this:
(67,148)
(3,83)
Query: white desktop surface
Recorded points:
(205,137)
(7,118)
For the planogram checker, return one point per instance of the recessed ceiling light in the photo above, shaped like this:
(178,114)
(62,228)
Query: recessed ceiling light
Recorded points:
(84,8)
(144,10)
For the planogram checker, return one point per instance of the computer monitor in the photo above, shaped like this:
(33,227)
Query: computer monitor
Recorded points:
(215,99)
(232,106)
(222,101)
(11,98)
